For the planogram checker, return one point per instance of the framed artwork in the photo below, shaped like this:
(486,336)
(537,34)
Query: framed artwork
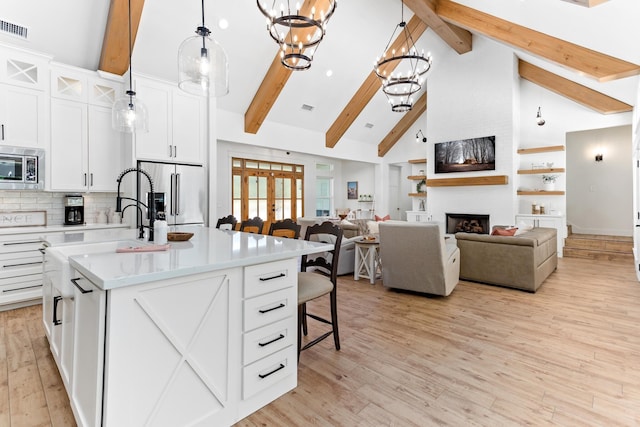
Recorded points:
(352,190)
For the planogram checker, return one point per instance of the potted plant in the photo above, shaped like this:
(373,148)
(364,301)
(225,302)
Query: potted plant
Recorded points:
(421,187)
(549,182)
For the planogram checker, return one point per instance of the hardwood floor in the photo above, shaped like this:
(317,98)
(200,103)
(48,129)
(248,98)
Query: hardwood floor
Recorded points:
(566,355)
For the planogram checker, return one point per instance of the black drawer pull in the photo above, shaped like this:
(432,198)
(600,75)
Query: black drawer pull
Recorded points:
(271,342)
(29,242)
(42,251)
(272,372)
(56,300)
(264,279)
(84,291)
(271,309)
(21,264)
(21,289)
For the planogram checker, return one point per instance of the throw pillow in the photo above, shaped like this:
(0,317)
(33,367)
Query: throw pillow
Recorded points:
(383,218)
(504,231)
(345,222)
(373,227)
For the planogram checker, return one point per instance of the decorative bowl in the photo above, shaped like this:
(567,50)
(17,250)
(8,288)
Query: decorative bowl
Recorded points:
(179,236)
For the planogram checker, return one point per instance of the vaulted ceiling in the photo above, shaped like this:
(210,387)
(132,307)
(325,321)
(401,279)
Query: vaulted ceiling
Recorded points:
(585,53)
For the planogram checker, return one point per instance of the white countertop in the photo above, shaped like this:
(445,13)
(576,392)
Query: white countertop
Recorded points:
(88,235)
(209,249)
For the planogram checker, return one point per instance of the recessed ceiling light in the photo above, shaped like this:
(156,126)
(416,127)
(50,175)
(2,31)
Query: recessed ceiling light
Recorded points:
(368,125)
(307,107)
(223,24)
(329,73)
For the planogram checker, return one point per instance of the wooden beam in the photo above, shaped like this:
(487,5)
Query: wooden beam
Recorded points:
(475,180)
(586,61)
(272,84)
(587,3)
(403,125)
(367,90)
(114,57)
(457,38)
(576,92)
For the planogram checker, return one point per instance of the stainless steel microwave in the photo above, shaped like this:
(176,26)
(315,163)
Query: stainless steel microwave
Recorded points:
(21,168)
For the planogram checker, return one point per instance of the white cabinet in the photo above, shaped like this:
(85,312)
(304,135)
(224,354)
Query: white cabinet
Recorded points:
(88,354)
(549,221)
(20,269)
(418,216)
(177,124)
(85,150)
(23,98)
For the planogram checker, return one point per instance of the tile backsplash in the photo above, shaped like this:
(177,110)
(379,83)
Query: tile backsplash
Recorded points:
(53,203)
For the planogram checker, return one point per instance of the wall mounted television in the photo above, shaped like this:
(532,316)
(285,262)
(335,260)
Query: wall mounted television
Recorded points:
(466,155)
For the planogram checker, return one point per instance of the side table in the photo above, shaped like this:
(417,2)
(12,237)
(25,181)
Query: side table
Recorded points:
(367,260)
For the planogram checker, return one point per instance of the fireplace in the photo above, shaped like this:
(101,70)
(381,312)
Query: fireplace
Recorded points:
(468,223)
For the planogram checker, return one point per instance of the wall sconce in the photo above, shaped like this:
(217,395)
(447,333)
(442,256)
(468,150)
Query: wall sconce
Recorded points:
(599,157)
(539,118)
(418,139)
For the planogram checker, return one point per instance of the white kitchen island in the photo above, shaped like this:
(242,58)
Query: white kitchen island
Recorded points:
(202,334)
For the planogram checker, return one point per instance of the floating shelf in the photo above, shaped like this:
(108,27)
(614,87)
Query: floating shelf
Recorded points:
(417,177)
(541,149)
(477,180)
(423,194)
(538,171)
(416,161)
(541,193)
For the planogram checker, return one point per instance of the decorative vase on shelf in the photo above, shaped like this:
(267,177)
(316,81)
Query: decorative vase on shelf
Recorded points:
(548,186)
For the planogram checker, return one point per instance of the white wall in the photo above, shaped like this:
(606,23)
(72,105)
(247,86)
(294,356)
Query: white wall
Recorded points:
(599,194)
(472,95)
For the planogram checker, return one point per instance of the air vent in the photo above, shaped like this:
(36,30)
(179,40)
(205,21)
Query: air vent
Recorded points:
(13,29)
(307,107)
(368,125)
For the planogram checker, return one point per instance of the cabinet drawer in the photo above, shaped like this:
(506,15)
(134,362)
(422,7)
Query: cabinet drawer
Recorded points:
(268,371)
(10,244)
(21,290)
(263,278)
(265,309)
(269,339)
(20,261)
(15,281)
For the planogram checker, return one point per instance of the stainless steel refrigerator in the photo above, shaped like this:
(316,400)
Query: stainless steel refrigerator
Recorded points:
(180,191)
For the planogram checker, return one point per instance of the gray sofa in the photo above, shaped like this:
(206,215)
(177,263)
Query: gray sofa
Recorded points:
(522,262)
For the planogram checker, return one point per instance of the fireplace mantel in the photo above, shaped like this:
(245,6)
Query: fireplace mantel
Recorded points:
(475,180)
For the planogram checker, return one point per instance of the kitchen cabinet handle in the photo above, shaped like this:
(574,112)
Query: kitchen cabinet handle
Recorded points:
(56,300)
(84,179)
(261,344)
(21,264)
(91,175)
(264,279)
(3,132)
(175,151)
(272,372)
(272,308)
(170,151)
(21,289)
(26,242)
(177,194)
(80,288)
(41,250)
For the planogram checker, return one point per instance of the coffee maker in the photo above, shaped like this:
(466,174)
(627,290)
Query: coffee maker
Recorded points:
(73,209)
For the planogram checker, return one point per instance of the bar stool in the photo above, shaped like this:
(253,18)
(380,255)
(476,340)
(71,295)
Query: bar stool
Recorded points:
(285,228)
(227,221)
(253,225)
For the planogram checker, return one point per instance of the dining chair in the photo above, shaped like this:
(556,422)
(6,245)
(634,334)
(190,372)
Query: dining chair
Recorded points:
(224,222)
(253,225)
(319,277)
(285,228)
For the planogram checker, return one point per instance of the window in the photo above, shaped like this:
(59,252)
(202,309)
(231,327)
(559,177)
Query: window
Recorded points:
(324,189)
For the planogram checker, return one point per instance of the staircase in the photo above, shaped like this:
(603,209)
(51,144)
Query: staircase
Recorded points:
(592,246)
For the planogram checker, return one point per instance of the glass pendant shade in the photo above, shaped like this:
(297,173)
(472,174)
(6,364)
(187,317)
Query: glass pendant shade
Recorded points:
(129,114)
(202,66)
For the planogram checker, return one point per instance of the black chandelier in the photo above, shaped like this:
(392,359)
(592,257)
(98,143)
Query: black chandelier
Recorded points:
(402,73)
(297,32)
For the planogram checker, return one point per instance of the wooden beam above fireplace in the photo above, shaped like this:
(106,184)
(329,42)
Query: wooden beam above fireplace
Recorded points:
(476,180)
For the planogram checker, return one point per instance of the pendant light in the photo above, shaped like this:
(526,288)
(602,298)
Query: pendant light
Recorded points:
(202,64)
(128,113)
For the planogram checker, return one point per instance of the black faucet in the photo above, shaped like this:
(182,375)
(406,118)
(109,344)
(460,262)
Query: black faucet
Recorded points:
(119,200)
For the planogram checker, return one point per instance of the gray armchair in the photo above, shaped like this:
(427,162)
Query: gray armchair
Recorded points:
(415,257)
